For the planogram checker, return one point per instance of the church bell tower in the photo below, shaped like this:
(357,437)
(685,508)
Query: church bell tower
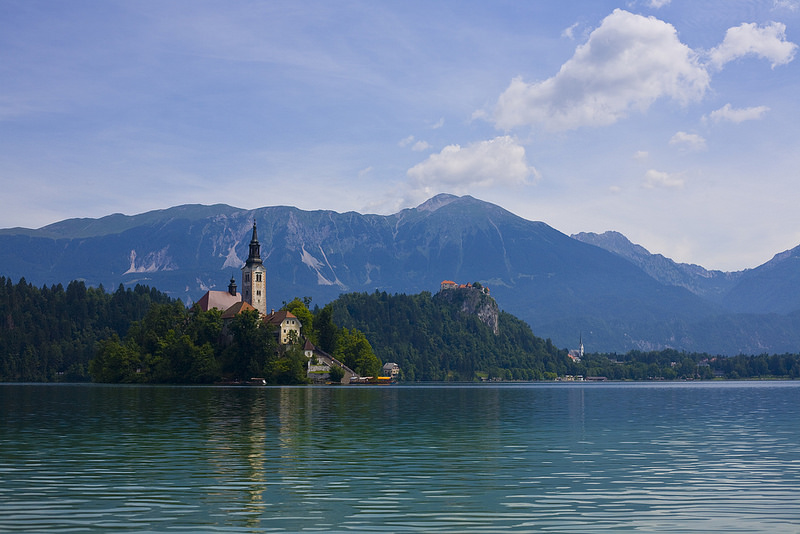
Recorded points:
(254,277)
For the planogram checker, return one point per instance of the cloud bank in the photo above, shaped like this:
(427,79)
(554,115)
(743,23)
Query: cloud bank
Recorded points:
(627,63)
(730,114)
(688,141)
(767,42)
(497,162)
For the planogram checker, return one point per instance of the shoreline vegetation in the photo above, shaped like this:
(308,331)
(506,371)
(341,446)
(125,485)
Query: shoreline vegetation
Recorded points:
(140,335)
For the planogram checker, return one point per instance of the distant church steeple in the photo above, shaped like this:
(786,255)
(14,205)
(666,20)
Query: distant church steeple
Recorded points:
(254,277)
(255,247)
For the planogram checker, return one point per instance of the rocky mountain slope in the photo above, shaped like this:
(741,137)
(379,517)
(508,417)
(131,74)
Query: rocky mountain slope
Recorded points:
(698,280)
(773,287)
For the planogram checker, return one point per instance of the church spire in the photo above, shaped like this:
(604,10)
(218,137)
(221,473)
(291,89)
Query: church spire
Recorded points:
(255,248)
(254,276)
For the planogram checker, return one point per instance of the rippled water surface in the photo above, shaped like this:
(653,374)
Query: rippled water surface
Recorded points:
(696,457)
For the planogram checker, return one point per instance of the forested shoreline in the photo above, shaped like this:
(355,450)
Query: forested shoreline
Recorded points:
(50,334)
(140,335)
(432,340)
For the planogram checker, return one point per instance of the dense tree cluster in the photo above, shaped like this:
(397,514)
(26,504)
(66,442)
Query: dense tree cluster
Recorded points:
(172,344)
(432,339)
(349,346)
(176,345)
(51,333)
(671,364)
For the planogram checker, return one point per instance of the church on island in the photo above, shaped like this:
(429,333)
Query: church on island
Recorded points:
(287,326)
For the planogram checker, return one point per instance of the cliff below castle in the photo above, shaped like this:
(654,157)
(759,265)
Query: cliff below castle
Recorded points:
(472,300)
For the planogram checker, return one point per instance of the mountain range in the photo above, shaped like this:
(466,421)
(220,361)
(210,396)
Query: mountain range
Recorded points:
(614,295)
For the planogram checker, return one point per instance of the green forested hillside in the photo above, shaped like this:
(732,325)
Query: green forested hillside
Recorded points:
(50,333)
(430,338)
(140,335)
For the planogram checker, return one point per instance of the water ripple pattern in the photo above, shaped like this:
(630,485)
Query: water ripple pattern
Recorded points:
(699,457)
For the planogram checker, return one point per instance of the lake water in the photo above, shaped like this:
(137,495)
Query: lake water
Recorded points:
(688,457)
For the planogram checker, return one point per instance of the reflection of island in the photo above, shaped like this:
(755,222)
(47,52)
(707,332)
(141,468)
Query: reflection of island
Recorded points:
(266,445)
(303,457)
(237,443)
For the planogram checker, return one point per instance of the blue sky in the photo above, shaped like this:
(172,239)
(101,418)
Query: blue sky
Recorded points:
(673,122)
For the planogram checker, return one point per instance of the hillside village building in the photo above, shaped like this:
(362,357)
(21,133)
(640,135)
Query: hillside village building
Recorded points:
(392,370)
(288,326)
(576,355)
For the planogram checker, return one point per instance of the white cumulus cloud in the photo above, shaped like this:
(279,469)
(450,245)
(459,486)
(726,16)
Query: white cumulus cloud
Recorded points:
(420,146)
(728,113)
(768,42)
(407,141)
(626,64)
(498,161)
(688,141)
(657,179)
(416,145)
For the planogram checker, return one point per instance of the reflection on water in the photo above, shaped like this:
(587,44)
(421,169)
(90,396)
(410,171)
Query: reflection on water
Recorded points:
(523,458)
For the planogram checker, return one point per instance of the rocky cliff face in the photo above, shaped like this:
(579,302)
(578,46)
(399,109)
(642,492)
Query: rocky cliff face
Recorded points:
(474,301)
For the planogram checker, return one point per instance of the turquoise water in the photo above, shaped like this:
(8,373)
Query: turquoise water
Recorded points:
(690,457)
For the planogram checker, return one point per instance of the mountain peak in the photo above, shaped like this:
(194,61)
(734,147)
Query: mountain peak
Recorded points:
(434,203)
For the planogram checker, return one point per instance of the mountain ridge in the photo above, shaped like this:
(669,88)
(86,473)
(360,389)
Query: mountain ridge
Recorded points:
(562,286)
(695,278)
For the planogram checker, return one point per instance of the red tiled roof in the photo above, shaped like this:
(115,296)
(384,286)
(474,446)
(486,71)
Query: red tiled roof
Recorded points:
(236,309)
(277,317)
(222,300)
